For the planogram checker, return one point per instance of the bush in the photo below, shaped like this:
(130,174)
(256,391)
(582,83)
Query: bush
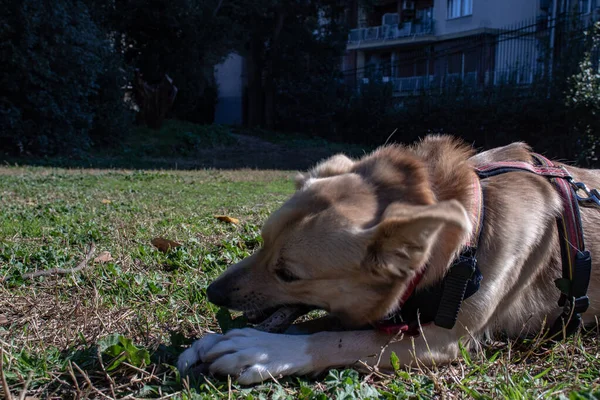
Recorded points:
(583,100)
(488,117)
(176,138)
(59,81)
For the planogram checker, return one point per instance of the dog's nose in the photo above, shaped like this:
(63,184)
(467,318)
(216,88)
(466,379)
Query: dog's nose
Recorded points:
(216,295)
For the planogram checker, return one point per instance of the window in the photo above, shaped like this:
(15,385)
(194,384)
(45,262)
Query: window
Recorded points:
(455,64)
(459,8)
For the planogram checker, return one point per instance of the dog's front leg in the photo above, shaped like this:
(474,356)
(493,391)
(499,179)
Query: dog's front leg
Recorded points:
(253,356)
(373,349)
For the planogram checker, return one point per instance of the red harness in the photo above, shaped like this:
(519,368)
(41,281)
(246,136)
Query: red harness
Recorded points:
(576,260)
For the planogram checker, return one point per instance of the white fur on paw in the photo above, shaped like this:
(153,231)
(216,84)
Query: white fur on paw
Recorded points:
(196,352)
(254,356)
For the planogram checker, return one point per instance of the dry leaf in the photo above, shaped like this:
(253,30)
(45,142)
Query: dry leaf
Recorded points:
(164,245)
(104,257)
(106,201)
(225,218)
(3,320)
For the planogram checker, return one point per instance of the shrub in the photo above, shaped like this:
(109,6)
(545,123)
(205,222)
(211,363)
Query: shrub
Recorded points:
(177,138)
(59,80)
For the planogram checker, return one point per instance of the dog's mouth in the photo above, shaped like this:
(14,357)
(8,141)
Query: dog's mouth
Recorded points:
(258,316)
(277,319)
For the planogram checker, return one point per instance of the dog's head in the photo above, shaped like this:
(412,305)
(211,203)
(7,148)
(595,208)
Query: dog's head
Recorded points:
(348,241)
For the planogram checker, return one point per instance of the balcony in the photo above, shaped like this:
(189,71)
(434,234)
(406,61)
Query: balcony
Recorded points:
(389,32)
(392,29)
(413,85)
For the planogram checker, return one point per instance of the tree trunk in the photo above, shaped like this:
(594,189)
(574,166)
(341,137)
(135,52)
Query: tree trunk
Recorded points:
(153,101)
(270,86)
(255,100)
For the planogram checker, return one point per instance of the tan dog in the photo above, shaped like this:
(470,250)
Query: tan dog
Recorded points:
(356,232)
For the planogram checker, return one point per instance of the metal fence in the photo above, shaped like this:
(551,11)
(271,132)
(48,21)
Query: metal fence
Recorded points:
(390,32)
(536,50)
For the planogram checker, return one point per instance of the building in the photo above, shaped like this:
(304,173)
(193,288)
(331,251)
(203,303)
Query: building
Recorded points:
(424,44)
(229,77)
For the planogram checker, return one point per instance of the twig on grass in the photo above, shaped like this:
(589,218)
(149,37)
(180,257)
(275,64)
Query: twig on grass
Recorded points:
(72,373)
(27,383)
(64,271)
(5,388)
(90,384)
(110,380)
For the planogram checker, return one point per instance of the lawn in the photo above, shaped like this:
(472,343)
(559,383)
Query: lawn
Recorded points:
(115,328)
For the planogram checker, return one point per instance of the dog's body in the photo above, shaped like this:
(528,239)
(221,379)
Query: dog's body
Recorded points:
(356,232)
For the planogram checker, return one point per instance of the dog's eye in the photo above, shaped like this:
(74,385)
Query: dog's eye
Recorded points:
(285,275)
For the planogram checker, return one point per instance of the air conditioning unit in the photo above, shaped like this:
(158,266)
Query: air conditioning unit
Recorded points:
(390,19)
(408,5)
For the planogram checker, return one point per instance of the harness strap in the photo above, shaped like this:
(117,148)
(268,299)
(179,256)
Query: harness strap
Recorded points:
(576,261)
(455,288)
(441,303)
(502,167)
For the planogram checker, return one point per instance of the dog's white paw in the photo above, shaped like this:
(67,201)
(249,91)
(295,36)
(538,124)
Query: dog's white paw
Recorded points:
(196,352)
(254,356)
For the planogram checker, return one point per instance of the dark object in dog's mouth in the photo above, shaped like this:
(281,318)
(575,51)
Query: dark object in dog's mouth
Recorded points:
(258,316)
(277,319)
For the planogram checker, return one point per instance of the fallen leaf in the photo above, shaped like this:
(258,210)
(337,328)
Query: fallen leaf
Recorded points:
(164,245)
(106,201)
(104,257)
(3,319)
(228,219)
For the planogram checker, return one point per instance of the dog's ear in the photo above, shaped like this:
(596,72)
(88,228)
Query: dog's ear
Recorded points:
(335,165)
(408,235)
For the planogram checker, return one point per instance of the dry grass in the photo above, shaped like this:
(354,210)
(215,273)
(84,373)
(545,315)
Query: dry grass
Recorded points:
(114,329)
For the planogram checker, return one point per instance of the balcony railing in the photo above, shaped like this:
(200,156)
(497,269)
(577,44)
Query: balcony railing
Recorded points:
(390,32)
(415,84)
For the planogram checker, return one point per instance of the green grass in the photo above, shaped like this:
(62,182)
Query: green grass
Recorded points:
(115,329)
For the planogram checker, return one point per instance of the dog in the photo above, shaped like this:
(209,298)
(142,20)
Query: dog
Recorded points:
(356,233)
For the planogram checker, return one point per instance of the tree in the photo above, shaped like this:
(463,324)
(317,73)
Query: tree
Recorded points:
(183,39)
(54,60)
(583,98)
(290,44)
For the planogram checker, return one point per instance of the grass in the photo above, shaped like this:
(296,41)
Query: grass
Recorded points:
(115,329)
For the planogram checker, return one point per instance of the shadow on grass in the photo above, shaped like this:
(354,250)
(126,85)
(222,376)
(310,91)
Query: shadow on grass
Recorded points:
(114,367)
(183,147)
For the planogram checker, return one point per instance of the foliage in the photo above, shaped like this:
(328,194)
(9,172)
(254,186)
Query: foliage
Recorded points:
(293,60)
(55,61)
(120,349)
(181,38)
(176,138)
(583,98)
